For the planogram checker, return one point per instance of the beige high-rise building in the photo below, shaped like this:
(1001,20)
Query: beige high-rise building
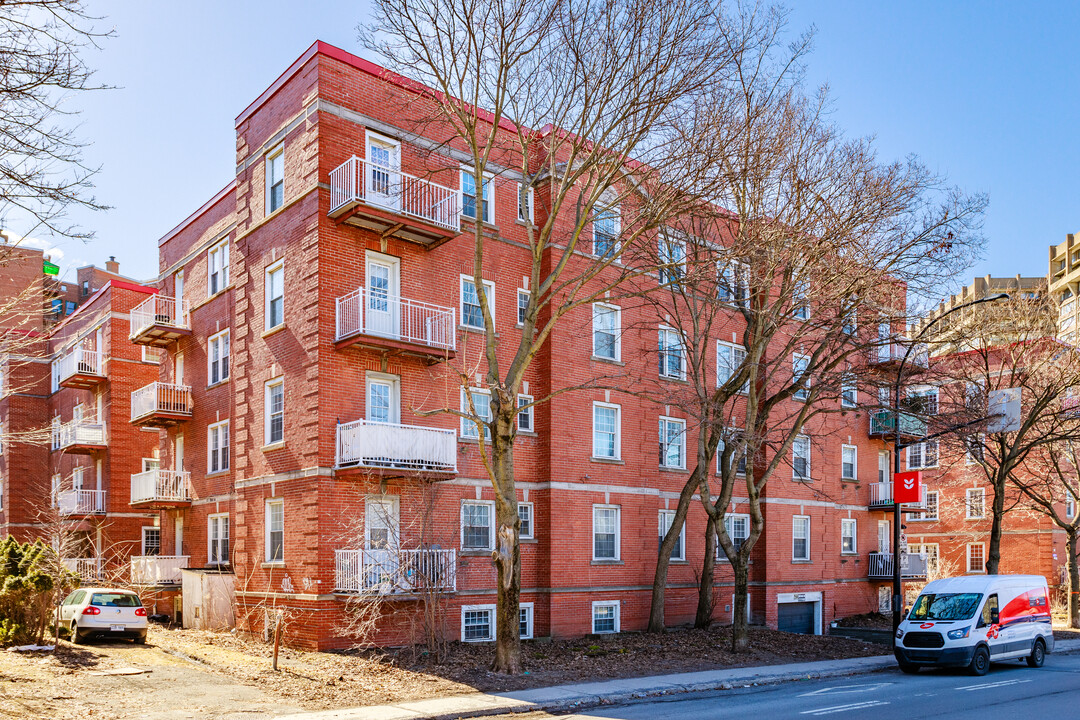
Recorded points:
(1064,279)
(990,324)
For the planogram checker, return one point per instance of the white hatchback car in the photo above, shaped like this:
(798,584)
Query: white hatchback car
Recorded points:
(103,612)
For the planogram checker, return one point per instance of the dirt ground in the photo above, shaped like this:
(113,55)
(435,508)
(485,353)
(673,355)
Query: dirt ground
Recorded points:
(197,674)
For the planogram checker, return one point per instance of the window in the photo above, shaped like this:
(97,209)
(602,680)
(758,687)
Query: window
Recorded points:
(477,519)
(733,285)
(218,267)
(975,507)
(217,536)
(606,322)
(275,180)
(525,414)
(525,515)
(522,305)
(672,443)
(605,532)
(740,465)
(849,393)
(850,313)
(151,354)
(275,295)
(931,511)
(672,258)
(85,287)
(217,355)
(800,458)
(217,442)
(922,455)
(69,307)
(605,617)
(738,529)
(666,518)
(469,197)
(606,228)
(883,467)
(275,411)
(976,558)
(151,541)
(275,531)
(729,359)
(477,623)
(799,366)
(671,355)
(848,541)
(525,203)
(1070,508)
(849,462)
(472,315)
(606,431)
(56,305)
(149,464)
(923,401)
(525,621)
(800,538)
(800,303)
(930,550)
(481,406)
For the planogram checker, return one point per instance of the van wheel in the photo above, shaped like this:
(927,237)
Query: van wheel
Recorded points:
(980,661)
(1038,654)
(909,668)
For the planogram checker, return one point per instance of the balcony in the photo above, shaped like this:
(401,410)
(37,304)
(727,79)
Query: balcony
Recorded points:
(85,568)
(157,569)
(384,321)
(159,321)
(883,424)
(395,572)
(912,566)
(888,355)
(389,448)
(881,497)
(161,405)
(392,203)
(79,367)
(81,502)
(163,488)
(80,436)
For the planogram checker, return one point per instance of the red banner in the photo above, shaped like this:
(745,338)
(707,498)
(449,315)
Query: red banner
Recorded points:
(907,486)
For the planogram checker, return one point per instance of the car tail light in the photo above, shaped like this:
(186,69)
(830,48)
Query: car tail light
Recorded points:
(91,610)
(141,612)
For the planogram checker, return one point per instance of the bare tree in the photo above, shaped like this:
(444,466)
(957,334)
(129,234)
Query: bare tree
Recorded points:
(580,104)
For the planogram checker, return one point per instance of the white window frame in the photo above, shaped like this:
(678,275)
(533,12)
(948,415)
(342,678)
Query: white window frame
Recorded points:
(490,609)
(151,355)
(604,603)
(489,288)
(798,441)
(729,525)
(797,360)
(528,412)
(849,527)
(521,308)
(526,609)
(279,381)
(672,252)
(794,537)
(468,429)
(268,299)
(884,467)
(485,198)
(212,520)
(665,518)
(1070,507)
(490,505)
(981,569)
(724,370)
(617,331)
(849,393)
(854,450)
(217,255)
(917,455)
(142,537)
(969,494)
(528,196)
(925,514)
(616,210)
(618,532)
(733,282)
(273,155)
(741,463)
(664,334)
(214,431)
(531,535)
(663,427)
(216,342)
(268,530)
(618,431)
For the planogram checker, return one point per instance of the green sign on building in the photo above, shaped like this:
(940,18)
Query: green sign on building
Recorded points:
(50,269)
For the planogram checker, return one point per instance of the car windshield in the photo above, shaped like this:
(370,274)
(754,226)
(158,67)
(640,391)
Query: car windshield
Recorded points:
(115,600)
(945,606)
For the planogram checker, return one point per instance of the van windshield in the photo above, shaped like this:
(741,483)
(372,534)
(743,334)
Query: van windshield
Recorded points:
(945,606)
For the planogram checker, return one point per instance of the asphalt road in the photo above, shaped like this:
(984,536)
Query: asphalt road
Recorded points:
(1009,690)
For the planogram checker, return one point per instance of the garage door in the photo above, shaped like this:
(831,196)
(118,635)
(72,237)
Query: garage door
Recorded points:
(796,617)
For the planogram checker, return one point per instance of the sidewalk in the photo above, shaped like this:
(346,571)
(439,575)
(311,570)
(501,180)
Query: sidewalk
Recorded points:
(584,695)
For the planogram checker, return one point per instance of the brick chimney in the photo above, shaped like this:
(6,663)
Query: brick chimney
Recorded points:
(112,266)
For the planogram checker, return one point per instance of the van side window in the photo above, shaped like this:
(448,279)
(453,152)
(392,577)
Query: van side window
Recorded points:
(989,611)
(1037,599)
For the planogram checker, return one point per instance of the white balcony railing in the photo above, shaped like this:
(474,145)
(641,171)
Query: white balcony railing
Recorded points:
(161,486)
(881,494)
(78,432)
(395,572)
(79,360)
(157,569)
(159,397)
(363,443)
(895,350)
(81,502)
(160,310)
(85,568)
(912,565)
(357,180)
(365,312)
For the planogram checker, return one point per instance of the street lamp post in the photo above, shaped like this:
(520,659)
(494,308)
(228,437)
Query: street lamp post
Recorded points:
(897,447)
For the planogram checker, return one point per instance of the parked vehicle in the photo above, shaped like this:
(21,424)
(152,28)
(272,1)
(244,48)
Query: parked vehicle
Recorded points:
(973,620)
(103,612)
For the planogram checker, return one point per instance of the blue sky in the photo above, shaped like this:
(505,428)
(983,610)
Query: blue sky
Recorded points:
(986,93)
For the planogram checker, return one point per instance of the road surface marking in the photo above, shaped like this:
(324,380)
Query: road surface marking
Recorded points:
(986,686)
(844,708)
(847,689)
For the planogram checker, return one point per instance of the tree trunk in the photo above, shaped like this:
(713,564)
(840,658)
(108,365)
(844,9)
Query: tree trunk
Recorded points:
(993,554)
(706,602)
(506,555)
(663,560)
(740,630)
(1074,581)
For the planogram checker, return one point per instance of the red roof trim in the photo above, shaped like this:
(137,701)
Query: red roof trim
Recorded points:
(202,208)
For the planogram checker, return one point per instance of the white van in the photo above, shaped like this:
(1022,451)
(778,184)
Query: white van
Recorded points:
(969,621)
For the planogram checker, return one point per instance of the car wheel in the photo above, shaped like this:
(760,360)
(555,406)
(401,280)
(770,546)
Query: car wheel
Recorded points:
(77,637)
(1038,654)
(909,668)
(140,639)
(980,661)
